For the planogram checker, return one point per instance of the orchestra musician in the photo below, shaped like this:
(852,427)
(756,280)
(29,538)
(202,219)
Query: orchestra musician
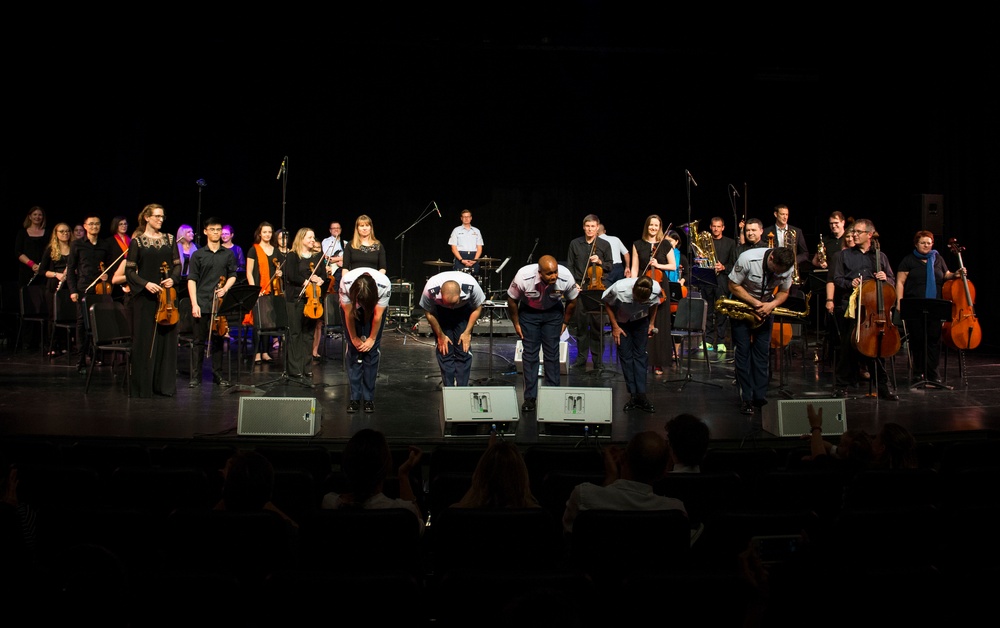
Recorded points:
(753,280)
(589,260)
(53,268)
(364,250)
(303,273)
(921,275)
(466,244)
(263,268)
(86,258)
(654,255)
(855,266)
(154,354)
(725,257)
(209,265)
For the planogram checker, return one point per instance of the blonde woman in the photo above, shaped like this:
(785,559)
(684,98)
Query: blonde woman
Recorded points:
(364,249)
(304,268)
(53,268)
(185,248)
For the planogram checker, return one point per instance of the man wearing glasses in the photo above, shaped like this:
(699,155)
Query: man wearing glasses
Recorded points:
(855,266)
(86,257)
(832,242)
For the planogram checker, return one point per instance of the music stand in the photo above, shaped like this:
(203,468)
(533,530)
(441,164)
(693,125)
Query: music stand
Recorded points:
(239,301)
(686,304)
(926,310)
(489,380)
(591,299)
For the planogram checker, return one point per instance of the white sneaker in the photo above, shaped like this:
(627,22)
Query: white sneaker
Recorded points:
(721,348)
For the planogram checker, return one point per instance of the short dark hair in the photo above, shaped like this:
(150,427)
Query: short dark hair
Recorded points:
(642,288)
(211,220)
(783,256)
(689,437)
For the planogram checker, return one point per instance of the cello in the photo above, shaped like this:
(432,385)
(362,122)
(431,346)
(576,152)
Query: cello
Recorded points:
(875,335)
(963,331)
(166,313)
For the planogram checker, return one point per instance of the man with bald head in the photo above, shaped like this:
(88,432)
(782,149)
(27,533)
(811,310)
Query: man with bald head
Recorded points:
(452,302)
(540,302)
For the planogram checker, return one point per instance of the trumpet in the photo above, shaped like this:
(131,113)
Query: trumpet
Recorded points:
(704,247)
(739,310)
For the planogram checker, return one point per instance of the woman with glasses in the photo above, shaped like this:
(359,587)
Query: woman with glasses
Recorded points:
(154,346)
(53,269)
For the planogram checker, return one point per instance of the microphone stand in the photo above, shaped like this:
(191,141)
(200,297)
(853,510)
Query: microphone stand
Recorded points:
(687,306)
(283,175)
(197,221)
(532,251)
(402,236)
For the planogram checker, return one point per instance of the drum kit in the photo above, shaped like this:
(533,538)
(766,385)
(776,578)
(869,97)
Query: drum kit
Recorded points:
(484,277)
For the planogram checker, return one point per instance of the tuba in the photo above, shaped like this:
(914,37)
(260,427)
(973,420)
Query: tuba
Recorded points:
(736,309)
(704,247)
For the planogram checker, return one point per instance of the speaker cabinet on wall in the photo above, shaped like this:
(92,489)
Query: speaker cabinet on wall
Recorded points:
(793,419)
(279,416)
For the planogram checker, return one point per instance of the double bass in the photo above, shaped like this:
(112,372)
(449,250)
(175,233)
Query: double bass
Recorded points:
(963,331)
(876,336)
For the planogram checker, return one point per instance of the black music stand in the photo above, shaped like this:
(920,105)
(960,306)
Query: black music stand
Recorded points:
(594,307)
(490,380)
(926,310)
(237,303)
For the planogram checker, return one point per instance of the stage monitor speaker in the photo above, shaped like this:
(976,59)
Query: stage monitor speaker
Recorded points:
(573,411)
(478,410)
(792,418)
(279,416)
(400,300)
(563,357)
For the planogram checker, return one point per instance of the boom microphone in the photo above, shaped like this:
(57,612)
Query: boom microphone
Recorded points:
(690,176)
(436,208)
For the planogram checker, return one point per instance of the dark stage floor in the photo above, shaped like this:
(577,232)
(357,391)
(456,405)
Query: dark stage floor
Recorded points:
(46,398)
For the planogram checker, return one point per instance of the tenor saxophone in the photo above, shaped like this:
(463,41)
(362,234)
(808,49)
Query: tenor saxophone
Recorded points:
(739,310)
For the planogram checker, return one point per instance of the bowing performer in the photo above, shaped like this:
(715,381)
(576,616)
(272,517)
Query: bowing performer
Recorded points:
(452,302)
(631,304)
(364,297)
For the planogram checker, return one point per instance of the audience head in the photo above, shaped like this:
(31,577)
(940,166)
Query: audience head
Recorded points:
(500,480)
(249,482)
(855,446)
(366,462)
(894,447)
(646,457)
(688,437)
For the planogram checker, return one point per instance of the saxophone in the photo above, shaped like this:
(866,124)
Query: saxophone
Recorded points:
(821,252)
(704,247)
(739,310)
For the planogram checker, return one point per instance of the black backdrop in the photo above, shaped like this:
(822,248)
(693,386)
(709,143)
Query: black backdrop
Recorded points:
(531,119)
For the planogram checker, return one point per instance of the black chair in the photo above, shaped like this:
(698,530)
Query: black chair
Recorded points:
(747,463)
(185,332)
(643,540)
(64,319)
(359,540)
(333,324)
(110,334)
(158,491)
(32,311)
(689,324)
(704,494)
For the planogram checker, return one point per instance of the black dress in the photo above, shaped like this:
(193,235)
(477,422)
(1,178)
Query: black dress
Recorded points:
(154,346)
(660,347)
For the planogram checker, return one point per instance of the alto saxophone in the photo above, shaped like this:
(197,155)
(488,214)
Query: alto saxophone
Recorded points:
(739,310)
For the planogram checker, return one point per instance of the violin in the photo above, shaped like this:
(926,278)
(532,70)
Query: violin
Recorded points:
(276,281)
(219,323)
(876,336)
(102,287)
(314,300)
(963,331)
(594,271)
(167,313)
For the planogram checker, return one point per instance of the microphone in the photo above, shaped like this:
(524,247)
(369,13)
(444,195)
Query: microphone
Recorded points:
(690,176)
(436,208)
(733,188)
(282,168)
(201,183)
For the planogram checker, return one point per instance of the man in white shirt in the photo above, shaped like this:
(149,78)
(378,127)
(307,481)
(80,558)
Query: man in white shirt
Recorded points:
(621,262)
(540,302)
(333,253)
(466,245)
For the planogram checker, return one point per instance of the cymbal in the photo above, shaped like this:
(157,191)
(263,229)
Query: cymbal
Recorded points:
(438,263)
(488,260)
